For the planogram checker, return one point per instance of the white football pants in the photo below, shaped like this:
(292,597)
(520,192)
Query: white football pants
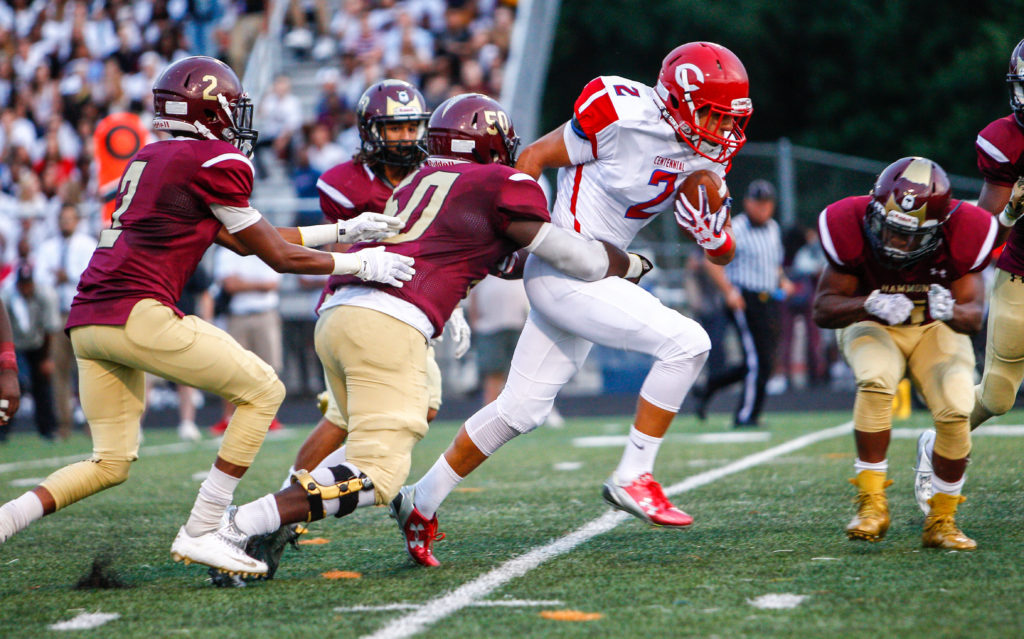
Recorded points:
(568,316)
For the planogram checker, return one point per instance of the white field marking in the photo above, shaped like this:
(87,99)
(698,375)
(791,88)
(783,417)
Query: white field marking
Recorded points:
(502,603)
(148,451)
(780,601)
(569,465)
(85,621)
(824,558)
(599,441)
(26,481)
(449,603)
(995,430)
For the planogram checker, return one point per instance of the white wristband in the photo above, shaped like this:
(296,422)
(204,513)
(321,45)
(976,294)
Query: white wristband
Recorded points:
(346,263)
(1005,219)
(636,267)
(319,235)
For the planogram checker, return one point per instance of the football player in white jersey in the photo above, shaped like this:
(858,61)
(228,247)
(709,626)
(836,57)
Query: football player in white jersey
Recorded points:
(621,157)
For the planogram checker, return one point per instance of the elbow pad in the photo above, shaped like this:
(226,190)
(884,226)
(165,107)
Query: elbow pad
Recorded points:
(570,253)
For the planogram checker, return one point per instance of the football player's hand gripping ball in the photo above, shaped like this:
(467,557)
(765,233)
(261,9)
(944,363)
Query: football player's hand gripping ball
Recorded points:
(891,308)
(705,227)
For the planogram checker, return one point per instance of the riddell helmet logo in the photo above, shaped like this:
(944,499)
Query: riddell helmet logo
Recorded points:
(683,76)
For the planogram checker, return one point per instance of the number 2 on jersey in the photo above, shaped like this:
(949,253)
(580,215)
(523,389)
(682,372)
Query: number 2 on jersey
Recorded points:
(637,211)
(441,182)
(129,182)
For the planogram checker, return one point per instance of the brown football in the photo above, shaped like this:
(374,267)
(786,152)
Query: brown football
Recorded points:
(715,186)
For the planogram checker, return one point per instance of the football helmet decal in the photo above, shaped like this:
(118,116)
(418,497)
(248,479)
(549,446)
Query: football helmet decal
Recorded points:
(390,102)
(472,127)
(703,93)
(1015,78)
(202,97)
(909,204)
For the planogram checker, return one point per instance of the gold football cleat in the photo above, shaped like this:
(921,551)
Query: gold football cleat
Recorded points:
(940,530)
(872,518)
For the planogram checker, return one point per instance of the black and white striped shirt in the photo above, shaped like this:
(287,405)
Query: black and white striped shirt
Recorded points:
(759,255)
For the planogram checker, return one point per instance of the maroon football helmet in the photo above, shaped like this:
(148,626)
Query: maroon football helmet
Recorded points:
(472,127)
(704,74)
(1015,78)
(202,97)
(909,204)
(389,102)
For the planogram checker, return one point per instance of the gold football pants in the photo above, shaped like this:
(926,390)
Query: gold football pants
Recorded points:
(112,362)
(937,359)
(1004,347)
(376,370)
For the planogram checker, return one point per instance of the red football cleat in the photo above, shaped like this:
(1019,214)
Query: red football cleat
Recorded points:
(219,428)
(276,425)
(645,500)
(419,534)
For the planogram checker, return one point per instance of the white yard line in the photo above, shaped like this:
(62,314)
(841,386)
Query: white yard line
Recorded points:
(145,451)
(447,604)
(501,603)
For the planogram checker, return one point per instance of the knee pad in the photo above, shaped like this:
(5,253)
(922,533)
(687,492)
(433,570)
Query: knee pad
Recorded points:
(872,411)
(488,430)
(997,392)
(523,413)
(79,480)
(345,488)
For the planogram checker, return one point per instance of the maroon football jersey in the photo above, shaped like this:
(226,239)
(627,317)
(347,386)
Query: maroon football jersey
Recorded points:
(161,227)
(456,215)
(1000,150)
(966,247)
(351,188)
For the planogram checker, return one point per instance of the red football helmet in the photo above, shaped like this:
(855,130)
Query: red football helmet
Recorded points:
(704,75)
(1015,78)
(472,127)
(909,204)
(202,97)
(388,102)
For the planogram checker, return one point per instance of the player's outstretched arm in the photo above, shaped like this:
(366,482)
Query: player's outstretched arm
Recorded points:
(10,393)
(574,255)
(1006,203)
(548,152)
(375,264)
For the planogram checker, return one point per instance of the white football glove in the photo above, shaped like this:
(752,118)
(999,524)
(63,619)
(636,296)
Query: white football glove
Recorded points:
(457,330)
(377,265)
(705,227)
(891,308)
(940,303)
(368,227)
(1015,207)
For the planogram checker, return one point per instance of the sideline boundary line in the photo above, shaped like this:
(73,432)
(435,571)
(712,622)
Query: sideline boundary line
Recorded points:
(466,595)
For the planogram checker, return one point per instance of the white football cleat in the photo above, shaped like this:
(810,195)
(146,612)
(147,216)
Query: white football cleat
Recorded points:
(923,470)
(222,549)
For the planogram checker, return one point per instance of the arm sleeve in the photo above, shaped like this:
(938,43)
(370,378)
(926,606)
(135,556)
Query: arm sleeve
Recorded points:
(570,253)
(520,199)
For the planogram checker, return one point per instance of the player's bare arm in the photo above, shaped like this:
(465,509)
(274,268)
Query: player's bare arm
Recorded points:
(994,198)
(548,152)
(969,307)
(574,255)
(836,303)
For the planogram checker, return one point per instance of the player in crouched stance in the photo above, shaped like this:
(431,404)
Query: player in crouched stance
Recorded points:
(904,287)
(463,214)
(175,199)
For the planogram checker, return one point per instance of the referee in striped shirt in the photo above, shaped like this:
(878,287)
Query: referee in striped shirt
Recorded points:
(753,286)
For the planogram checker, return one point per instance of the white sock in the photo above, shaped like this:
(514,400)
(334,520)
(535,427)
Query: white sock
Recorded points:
(258,517)
(17,514)
(947,487)
(859,465)
(638,457)
(433,487)
(215,495)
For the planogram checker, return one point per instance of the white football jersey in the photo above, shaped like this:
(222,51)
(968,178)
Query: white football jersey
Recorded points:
(627,162)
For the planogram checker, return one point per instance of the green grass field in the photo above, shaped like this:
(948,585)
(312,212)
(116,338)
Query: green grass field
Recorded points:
(771,526)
